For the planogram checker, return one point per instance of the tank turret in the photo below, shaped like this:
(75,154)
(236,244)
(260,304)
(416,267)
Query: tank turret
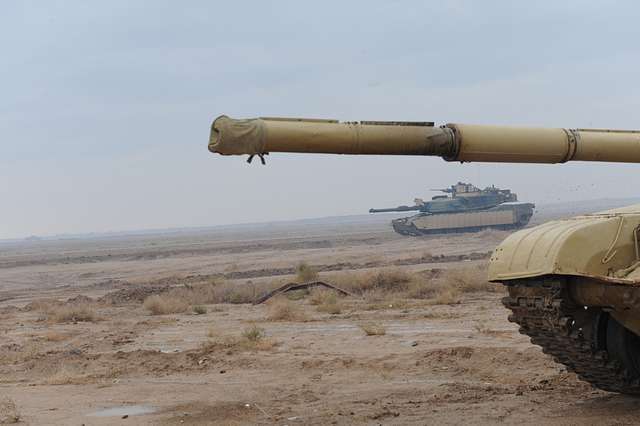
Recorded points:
(573,284)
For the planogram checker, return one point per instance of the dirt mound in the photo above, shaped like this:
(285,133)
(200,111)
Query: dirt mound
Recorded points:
(131,295)
(495,364)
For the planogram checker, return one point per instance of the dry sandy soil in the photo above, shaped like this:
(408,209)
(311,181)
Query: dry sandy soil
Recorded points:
(449,361)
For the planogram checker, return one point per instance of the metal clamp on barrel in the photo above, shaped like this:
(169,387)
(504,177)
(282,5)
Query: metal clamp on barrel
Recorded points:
(573,136)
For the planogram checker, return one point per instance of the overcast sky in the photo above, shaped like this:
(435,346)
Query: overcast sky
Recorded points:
(106,105)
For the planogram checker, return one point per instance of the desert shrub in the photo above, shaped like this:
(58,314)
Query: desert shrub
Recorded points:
(446,296)
(253,333)
(469,279)
(199,310)
(319,295)
(373,329)
(306,273)
(252,338)
(43,305)
(214,292)
(165,304)
(71,313)
(389,280)
(281,309)
(441,287)
(330,304)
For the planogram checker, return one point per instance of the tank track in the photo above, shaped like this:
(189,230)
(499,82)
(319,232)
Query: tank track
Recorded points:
(567,332)
(412,231)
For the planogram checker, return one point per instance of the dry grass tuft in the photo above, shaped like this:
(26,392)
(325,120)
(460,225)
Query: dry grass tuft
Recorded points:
(71,313)
(199,310)
(373,329)
(253,333)
(164,304)
(446,296)
(281,309)
(329,304)
(214,292)
(43,305)
(306,273)
(470,280)
(253,338)
(319,296)
(56,311)
(439,287)
(389,280)
(8,412)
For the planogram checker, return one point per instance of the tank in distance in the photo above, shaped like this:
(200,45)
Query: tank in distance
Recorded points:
(464,208)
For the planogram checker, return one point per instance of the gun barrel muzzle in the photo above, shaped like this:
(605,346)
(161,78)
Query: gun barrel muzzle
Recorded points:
(262,135)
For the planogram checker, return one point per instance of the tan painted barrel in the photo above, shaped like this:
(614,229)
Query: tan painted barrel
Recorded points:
(540,145)
(257,136)
(455,142)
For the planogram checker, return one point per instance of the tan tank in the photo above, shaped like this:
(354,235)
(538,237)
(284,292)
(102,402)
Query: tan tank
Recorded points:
(574,284)
(463,208)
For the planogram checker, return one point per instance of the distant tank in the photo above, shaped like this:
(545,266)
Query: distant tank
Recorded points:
(464,208)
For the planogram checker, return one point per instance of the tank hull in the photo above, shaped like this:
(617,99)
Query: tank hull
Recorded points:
(504,217)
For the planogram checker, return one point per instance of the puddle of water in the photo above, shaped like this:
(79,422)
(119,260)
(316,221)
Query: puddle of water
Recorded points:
(124,410)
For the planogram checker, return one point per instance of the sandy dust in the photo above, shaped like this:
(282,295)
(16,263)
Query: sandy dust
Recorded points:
(431,364)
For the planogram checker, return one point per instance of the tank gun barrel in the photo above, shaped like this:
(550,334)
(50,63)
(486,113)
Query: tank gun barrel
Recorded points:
(395,209)
(453,142)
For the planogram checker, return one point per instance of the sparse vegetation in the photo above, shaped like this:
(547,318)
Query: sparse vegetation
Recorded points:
(57,311)
(306,273)
(281,309)
(63,376)
(199,310)
(447,296)
(373,329)
(437,287)
(319,295)
(253,333)
(252,338)
(43,305)
(70,313)
(215,291)
(8,411)
(164,304)
(329,304)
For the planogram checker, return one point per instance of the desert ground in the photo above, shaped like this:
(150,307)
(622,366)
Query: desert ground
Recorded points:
(159,328)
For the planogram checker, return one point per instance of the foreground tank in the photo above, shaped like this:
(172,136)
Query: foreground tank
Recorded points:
(574,284)
(467,209)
